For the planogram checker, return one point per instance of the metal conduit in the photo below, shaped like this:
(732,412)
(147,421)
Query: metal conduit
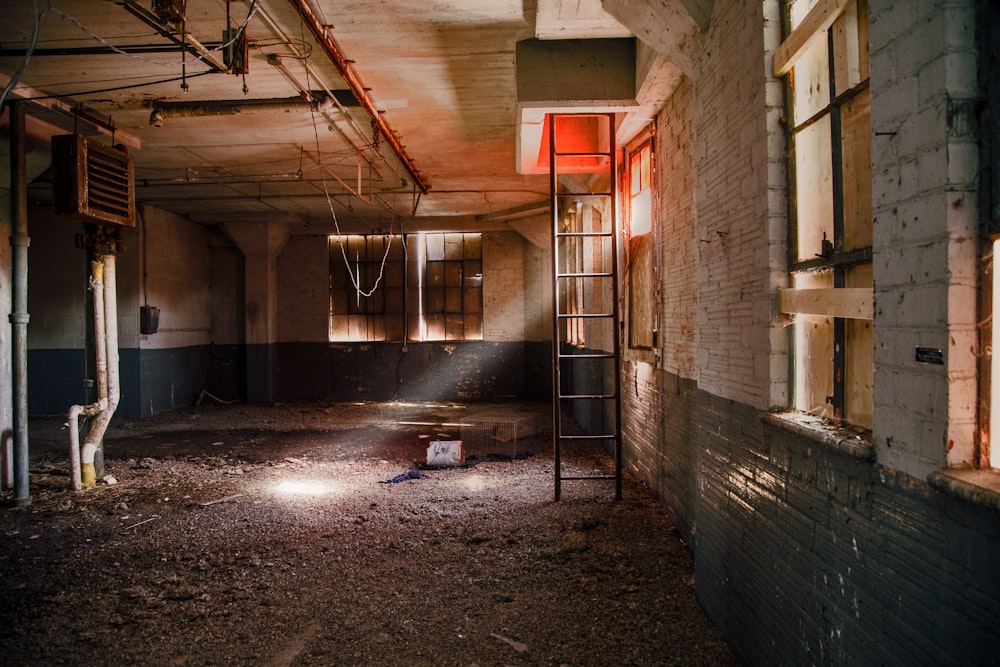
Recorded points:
(345,69)
(19,241)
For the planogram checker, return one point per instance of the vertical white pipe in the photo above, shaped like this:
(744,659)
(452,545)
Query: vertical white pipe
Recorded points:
(101,362)
(95,436)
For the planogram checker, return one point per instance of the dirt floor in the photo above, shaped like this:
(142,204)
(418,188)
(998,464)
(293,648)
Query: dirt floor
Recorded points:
(269,535)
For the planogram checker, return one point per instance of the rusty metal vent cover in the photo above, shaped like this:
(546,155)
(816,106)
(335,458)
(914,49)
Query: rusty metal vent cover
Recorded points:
(92,182)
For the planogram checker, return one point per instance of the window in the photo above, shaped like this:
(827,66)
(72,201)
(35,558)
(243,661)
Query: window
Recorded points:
(452,287)
(830,215)
(641,266)
(989,184)
(416,287)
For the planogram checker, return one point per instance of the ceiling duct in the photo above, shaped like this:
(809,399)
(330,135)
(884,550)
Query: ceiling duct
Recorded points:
(92,182)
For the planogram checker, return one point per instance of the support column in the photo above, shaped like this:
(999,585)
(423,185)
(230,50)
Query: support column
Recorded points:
(261,243)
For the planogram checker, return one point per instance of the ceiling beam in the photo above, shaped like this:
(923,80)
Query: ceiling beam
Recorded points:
(63,114)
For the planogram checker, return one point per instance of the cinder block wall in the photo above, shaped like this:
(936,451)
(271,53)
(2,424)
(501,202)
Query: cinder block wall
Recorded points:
(805,554)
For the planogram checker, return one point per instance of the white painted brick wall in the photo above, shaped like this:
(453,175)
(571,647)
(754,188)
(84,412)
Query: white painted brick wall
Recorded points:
(737,141)
(678,244)
(537,292)
(923,76)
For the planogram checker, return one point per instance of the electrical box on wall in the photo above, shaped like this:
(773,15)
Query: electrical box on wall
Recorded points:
(149,319)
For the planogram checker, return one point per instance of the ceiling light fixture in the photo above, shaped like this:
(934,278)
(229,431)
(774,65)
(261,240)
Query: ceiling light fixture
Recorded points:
(156,118)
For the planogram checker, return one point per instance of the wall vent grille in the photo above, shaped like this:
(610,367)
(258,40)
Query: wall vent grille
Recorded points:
(92,182)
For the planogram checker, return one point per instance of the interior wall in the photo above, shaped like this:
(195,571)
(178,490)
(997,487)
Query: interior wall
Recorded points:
(165,263)
(175,263)
(508,363)
(57,290)
(806,552)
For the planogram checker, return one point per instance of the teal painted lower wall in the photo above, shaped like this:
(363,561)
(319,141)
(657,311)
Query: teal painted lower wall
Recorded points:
(806,555)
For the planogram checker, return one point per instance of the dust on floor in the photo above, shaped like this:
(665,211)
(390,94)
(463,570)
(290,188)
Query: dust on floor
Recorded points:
(269,535)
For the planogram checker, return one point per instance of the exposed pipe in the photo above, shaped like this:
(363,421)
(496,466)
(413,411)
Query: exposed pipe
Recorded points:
(316,76)
(229,107)
(95,436)
(101,362)
(19,242)
(346,70)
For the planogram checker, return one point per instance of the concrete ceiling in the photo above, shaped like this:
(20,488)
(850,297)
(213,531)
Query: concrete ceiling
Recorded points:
(440,77)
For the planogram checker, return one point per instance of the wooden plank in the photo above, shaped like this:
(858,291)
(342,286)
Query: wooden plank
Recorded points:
(856,153)
(816,22)
(849,302)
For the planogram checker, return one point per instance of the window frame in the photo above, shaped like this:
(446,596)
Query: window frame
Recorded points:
(829,299)
(641,247)
(425,288)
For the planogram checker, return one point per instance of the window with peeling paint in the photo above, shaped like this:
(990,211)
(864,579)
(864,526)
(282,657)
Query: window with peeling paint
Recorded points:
(641,267)
(415,287)
(830,233)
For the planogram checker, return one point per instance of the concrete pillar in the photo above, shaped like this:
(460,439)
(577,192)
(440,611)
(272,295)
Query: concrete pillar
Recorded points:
(260,243)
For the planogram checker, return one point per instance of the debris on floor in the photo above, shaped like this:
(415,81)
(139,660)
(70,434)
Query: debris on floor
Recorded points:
(446,453)
(412,473)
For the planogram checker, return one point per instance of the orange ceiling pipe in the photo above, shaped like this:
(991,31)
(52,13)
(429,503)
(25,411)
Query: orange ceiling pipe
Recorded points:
(345,69)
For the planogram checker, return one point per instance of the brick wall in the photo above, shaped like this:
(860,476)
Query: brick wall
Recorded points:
(806,553)
(808,556)
(923,83)
(731,199)
(510,288)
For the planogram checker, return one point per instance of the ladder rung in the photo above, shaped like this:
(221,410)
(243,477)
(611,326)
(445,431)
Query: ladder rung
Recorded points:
(577,479)
(573,316)
(584,275)
(582,396)
(582,154)
(596,234)
(595,355)
(607,436)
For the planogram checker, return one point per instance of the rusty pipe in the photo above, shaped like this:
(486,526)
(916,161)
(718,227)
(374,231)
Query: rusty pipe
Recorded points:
(346,70)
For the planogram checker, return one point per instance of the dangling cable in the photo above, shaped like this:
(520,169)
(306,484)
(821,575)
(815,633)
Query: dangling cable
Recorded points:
(355,279)
(39,16)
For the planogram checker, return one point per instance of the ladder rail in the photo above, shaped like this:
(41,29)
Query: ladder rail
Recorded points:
(595,279)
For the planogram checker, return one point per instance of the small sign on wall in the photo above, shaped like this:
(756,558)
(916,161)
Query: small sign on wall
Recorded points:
(928,355)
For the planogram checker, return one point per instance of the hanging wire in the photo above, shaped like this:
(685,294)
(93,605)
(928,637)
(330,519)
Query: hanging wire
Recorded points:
(39,16)
(114,88)
(239,33)
(355,279)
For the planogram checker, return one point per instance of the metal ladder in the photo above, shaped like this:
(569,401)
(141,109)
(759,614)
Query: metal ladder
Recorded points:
(585,337)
